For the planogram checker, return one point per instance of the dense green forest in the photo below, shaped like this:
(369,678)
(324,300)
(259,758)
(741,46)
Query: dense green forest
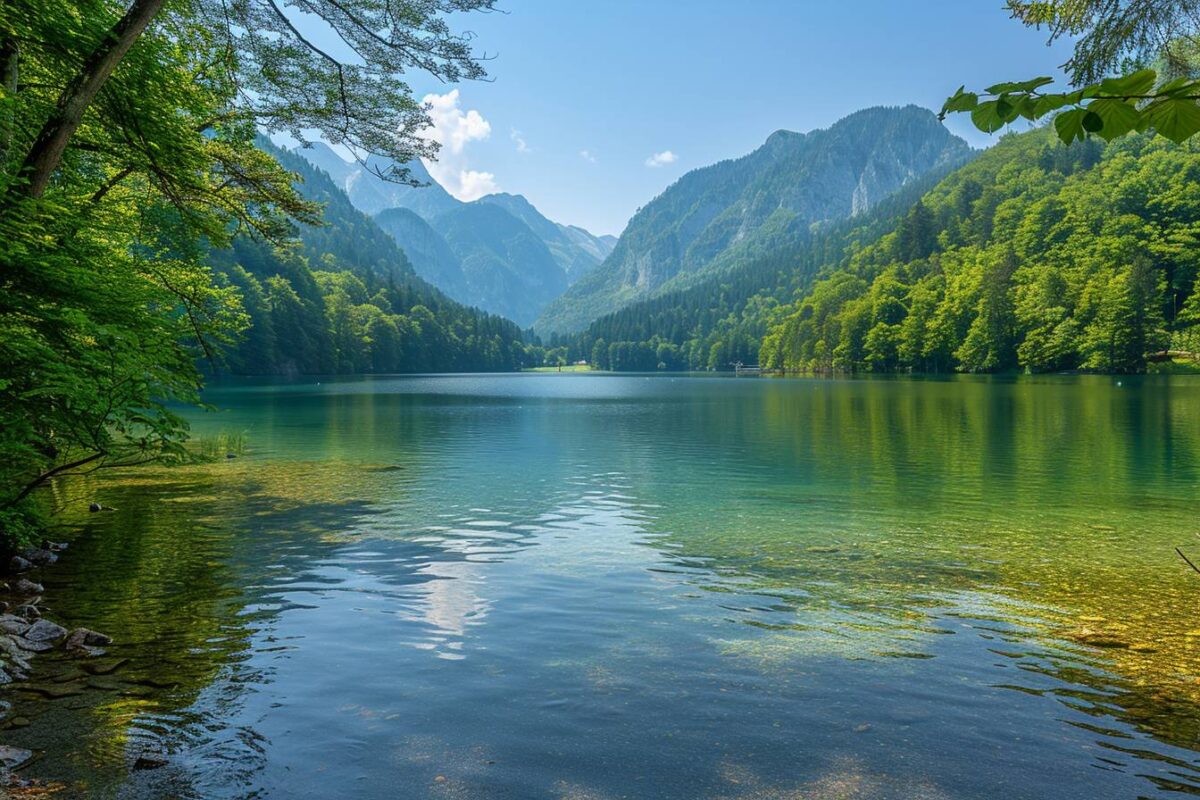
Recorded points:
(345,299)
(1036,256)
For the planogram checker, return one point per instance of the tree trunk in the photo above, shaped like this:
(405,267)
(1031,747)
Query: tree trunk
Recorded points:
(47,150)
(9,60)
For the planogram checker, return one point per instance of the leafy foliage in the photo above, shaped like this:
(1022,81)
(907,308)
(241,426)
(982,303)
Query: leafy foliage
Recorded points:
(1111,108)
(1109,36)
(1044,257)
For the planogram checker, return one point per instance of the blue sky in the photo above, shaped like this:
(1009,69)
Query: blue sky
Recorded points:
(585,93)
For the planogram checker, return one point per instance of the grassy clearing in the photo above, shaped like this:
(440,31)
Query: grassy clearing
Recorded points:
(568,368)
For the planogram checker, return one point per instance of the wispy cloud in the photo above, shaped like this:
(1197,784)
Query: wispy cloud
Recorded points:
(661,159)
(453,129)
(519,141)
(586,155)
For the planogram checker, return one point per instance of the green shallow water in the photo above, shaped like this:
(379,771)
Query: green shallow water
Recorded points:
(595,586)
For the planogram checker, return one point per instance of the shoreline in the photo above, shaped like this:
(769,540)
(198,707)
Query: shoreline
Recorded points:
(24,633)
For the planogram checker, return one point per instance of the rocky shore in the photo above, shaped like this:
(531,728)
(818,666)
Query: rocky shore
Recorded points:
(25,632)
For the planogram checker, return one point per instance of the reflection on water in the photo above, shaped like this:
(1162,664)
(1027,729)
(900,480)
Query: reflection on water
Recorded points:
(545,586)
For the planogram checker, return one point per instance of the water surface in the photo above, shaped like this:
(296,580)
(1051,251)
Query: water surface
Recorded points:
(594,586)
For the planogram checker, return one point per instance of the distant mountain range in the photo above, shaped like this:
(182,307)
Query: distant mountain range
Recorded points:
(501,254)
(714,219)
(498,253)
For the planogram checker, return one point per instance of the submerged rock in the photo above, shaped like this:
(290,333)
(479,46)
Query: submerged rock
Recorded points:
(45,631)
(94,507)
(150,761)
(86,642)
(24,586)
(57,547)
(1098,639)
(12,757)
(32,646)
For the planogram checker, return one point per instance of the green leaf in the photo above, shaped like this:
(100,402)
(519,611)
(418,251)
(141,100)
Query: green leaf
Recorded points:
(1019,86)
(1069,125)
(961,101)
(1026,107)
(1176,119)
(1177,86)
(1051,102)
(986,117)
(1133,84)
(1118,116)
(1006,109)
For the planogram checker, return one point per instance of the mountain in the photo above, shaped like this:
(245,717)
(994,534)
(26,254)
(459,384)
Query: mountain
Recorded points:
(507,267)
(716,218)
(576,250)
(498,267)
(428,251)
(346,299)
(370,193)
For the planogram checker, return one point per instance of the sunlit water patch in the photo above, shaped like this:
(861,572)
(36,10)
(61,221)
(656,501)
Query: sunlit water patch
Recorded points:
(608,587)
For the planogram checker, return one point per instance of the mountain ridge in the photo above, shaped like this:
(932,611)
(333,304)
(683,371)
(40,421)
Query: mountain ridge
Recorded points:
(507,276)
(715,216)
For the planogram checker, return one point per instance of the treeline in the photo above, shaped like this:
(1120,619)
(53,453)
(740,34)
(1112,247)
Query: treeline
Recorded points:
(1036,256)
(345,299)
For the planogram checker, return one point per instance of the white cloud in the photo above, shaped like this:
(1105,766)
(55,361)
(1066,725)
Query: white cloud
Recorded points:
(586,155)
(519,140)
(661,159)
(474,184)
(453,129)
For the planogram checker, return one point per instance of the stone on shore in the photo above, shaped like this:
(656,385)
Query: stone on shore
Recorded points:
(18,564)
(57,547)
(39,555)
(24,586)
(32,646)
(13,624)
(45,631)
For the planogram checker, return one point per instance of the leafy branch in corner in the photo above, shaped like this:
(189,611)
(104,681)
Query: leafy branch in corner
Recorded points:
(1110,108)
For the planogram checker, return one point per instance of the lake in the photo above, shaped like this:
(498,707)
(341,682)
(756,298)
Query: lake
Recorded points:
(583,587)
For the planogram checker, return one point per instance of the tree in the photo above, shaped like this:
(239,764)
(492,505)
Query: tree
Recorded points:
(1109,36)
(128,152)
(600,354)
(280,79)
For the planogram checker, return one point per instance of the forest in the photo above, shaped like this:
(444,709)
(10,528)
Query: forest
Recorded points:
(1036,256)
